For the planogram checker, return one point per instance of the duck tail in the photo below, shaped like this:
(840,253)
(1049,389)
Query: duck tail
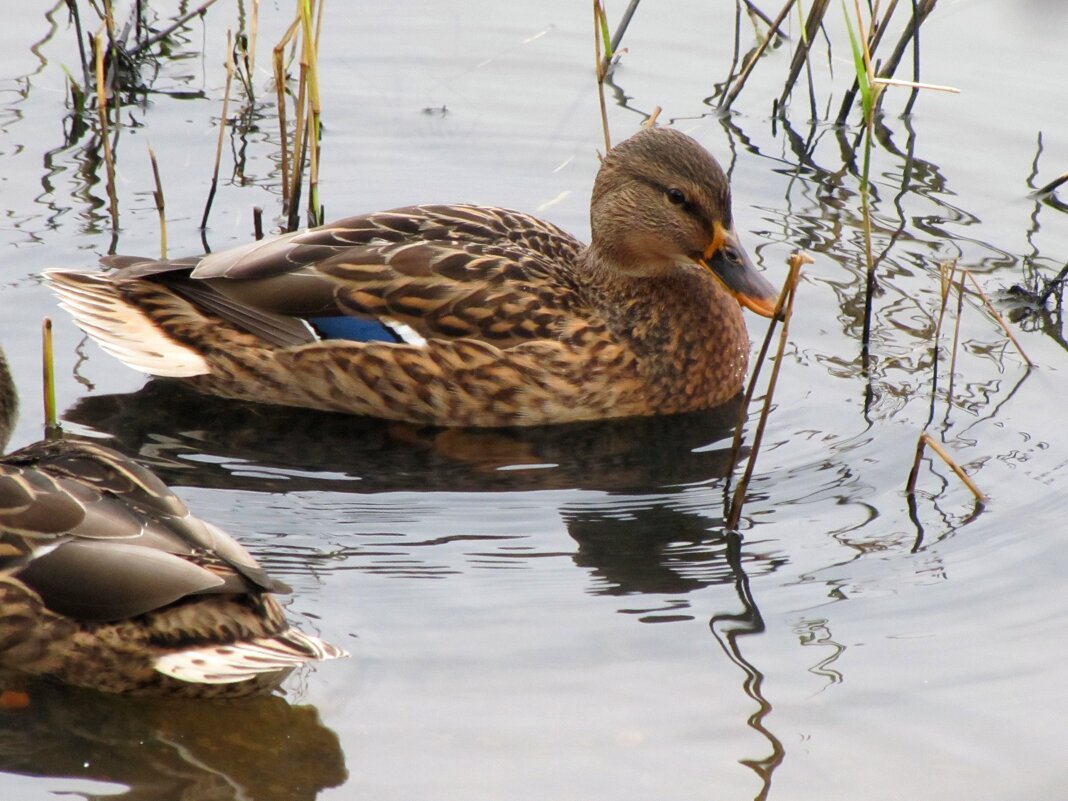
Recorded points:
(243,661)
(121,328)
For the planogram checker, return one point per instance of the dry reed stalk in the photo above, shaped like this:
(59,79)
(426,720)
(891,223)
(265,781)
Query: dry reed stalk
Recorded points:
(48,379)
(222,129)
(773,28)
(72,8)
(253,31)
(1000,320)
(600,33)
(784,311)
(102,115)
(808,35)
(310,53)
(178,23)
(956,341)
(946,272)
(617,37)
(920,11)
(1052,185)
(299,149)
(650,121)
(157,195)
(926,440)
(278,54)
(934,87)
(747,68)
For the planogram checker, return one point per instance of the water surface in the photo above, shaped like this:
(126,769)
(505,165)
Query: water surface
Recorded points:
(560,614)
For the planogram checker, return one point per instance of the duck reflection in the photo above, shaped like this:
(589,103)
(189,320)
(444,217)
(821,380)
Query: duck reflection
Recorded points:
(652,531)
(196,440)
(647,525)
(259,748)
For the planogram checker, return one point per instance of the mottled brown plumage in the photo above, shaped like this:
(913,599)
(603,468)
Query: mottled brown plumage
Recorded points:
(508,320)
(108,581)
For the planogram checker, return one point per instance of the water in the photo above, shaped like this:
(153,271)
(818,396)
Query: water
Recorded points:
(559,614)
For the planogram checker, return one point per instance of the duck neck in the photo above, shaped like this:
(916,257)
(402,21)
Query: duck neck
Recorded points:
(685,329)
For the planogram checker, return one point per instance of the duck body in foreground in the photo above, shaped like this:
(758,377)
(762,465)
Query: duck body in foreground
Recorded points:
(461,315)
(108,582)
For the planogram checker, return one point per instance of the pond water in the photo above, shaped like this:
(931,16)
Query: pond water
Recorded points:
(560,614)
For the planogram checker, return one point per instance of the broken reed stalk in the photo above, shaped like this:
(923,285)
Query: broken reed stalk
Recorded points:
(784,309)
(280,93)
(946,272)
(299,149)
(163,34)
(310,55)
(222,129)
(102,116)
(956,341)
(253,31)
(1000,320)
(72,7)
(1052,185)
(617,37)
(808,36)
(920,11)
(747,68)
(764,18)
(48,380)
(600,35)
(157,195)
(925,441)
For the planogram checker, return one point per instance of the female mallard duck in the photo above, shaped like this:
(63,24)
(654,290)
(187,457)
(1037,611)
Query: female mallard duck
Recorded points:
(461,315)
(107,581)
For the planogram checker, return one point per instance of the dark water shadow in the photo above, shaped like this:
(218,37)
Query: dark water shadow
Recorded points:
(162,749)
(664,545)
(196,440)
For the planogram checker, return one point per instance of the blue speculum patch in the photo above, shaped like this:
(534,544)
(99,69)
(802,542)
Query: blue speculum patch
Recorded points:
(344,327)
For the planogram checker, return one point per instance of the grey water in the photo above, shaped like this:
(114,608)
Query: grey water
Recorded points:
(560,614)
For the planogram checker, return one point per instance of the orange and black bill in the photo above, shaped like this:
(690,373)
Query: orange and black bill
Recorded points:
(728,261)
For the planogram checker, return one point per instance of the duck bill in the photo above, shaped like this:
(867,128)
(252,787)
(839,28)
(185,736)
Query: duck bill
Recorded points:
(726,259)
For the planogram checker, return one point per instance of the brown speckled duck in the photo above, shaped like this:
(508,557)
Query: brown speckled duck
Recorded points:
(108,581)
(461,315)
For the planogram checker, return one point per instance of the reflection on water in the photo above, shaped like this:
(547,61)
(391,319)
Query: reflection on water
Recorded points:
(657,545)
(728,628)
(198,440)
(170,749)
(649,527)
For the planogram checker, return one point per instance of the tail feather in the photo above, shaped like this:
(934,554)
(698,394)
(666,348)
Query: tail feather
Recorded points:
(120,328)
(242,661)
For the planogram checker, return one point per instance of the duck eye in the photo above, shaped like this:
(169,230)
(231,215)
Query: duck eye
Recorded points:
(676,196)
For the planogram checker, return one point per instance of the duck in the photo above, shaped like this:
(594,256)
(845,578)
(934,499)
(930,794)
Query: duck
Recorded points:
(460,315)
(108,581)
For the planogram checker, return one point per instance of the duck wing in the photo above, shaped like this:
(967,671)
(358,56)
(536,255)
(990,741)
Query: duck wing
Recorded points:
(446,272)
(101,538)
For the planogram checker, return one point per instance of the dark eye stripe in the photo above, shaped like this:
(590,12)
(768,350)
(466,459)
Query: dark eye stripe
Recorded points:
(689,206)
